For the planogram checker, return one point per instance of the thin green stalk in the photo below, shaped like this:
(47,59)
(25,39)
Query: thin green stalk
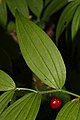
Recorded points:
(49,91)
(70,93)
(27,89)
(64,91)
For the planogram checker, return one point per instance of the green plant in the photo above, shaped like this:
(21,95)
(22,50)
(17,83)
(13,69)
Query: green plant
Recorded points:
(41,55)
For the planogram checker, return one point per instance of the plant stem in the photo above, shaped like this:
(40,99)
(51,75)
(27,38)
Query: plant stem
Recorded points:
(70,93)
(27,89)
(49,91)
(64,91)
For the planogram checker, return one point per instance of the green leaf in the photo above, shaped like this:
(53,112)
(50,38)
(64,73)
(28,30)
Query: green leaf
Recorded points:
(36,6)
(3,13)
(66,17)
(70,111)
(53,7)
(6,82)
(20,5)
(76,23)
(5,98)
(40,53)
(25,108)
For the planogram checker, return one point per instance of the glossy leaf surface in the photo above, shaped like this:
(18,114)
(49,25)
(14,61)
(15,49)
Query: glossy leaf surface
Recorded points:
(66,17)
(3,13)
(20,5)
(70,111)
(6,82)
(5,98)
(76,23)
(25,108)
(36,6)
(40,53)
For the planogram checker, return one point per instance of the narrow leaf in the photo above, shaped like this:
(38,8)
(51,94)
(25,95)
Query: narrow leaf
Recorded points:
(66,17)
(53,7)
(3,13)
(36,6)
(5,98)
(70,111)
(25,108)
(76,23)
(6,82)
(20,5)
(40,53)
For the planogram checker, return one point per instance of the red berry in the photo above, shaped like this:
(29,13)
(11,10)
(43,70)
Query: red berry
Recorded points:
(55,103)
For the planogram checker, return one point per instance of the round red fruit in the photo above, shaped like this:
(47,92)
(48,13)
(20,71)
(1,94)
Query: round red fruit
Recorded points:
(55,103)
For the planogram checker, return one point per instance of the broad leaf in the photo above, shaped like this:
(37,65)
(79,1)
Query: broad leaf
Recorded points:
(70,111)
(3,13)
(36,6)
(66,17)
(5,98)
(6,82)
(76,23)
(53,7)
(25,108)
(20,5)
(40,53)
